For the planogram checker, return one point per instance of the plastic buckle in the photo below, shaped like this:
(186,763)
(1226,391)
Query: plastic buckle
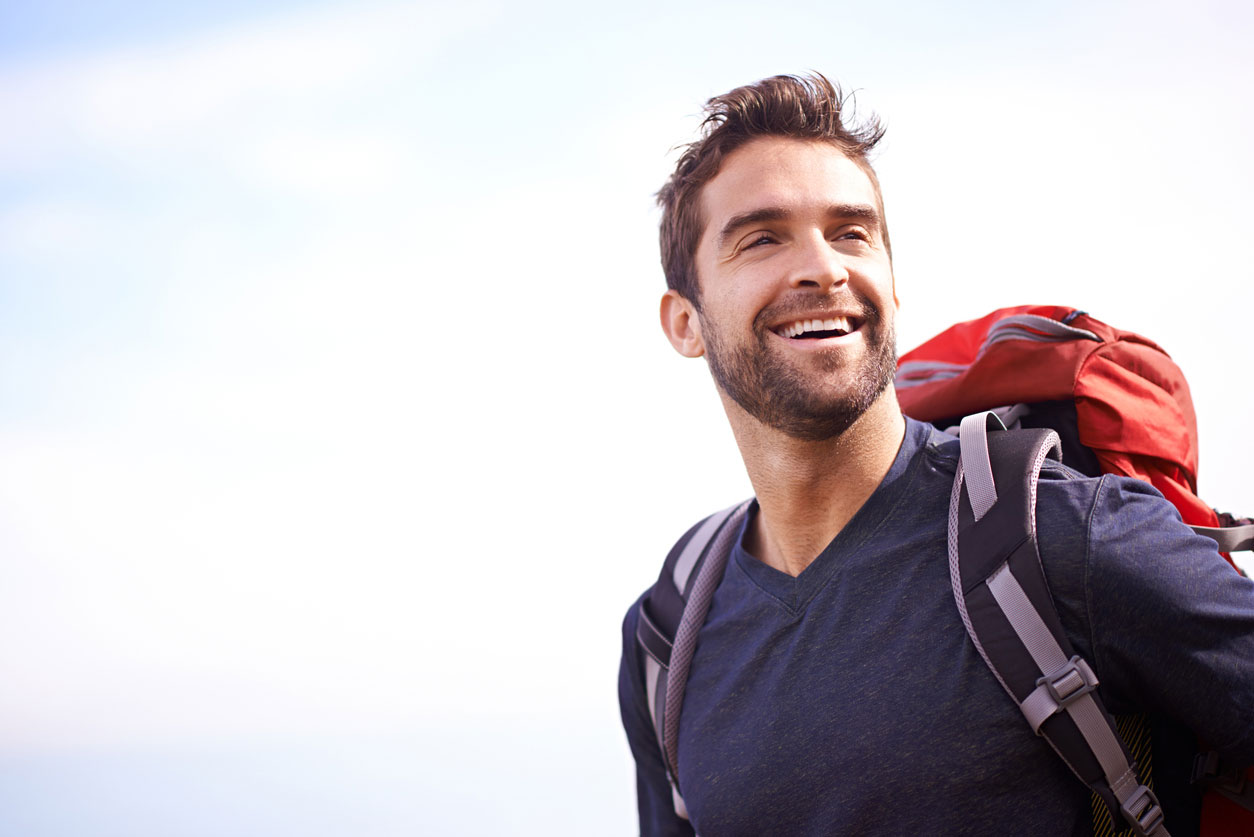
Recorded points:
(1143,812)
(1071,682)
(1210,772)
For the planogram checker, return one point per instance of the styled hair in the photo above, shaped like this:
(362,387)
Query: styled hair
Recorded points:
(805,107)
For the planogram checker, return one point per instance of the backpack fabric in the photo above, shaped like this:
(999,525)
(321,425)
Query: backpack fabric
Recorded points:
(1119,402)
(1121,405)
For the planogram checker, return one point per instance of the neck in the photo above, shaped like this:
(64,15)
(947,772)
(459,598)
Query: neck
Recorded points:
(807,491)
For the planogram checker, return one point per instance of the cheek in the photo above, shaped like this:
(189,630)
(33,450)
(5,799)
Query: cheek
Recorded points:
(885,285)
(723,306)
(747,293)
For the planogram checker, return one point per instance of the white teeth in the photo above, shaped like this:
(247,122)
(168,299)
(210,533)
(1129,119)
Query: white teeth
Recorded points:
(800,327)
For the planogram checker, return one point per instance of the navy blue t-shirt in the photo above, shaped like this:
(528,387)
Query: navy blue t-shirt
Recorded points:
(849,699)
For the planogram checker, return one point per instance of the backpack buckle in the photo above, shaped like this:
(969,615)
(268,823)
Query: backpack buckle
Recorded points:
(1142,812)
(1211,772)
(1069,683)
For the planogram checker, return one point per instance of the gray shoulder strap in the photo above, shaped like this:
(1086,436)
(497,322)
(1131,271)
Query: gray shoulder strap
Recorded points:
(1007,609)
(1229,538)
(666,674)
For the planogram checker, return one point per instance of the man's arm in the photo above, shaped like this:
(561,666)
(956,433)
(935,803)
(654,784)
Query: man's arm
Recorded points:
(1168,624)
(653,792)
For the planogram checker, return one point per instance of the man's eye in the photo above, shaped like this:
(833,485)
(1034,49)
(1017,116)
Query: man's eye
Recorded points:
(854,235)
(758,240)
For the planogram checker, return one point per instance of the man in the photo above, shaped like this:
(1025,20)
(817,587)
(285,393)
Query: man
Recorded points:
(833,689)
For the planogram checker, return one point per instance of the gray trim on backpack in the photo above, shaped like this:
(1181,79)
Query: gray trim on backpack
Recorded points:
(913,373)
(1035,327)
(1031,327)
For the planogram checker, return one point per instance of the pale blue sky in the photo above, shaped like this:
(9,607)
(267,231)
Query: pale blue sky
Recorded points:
(330,372)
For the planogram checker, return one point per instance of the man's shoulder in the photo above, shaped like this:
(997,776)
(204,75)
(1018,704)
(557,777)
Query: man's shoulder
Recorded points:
(924,438)
(1065,491)
(701,529)
(632,617)
(1114,542)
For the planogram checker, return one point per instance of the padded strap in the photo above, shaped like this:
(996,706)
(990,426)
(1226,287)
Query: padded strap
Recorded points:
(688,558)
(699,598)
(662,608)
(1001,591)
(670,616)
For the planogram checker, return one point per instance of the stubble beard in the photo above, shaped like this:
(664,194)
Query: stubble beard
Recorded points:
(796,402)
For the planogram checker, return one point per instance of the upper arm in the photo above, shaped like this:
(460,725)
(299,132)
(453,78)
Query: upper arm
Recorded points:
(1171,624)
(653,791)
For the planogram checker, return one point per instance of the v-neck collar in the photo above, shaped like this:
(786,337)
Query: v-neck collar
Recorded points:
(795,592)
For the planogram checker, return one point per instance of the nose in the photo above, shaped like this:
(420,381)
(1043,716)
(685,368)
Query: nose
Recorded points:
(818,265)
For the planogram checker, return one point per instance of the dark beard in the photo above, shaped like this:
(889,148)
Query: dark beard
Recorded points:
(775,394)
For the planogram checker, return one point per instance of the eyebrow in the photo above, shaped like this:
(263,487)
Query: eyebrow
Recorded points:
(864,213)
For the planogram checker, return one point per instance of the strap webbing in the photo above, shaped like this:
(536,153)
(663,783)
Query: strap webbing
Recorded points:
(979,470)
(1054,664)
(1229,538)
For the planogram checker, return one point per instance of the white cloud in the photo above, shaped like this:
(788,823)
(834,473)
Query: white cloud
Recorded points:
(46,226)
(327,164)
(138,100)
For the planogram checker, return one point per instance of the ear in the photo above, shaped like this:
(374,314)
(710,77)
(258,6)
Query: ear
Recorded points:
(681,324)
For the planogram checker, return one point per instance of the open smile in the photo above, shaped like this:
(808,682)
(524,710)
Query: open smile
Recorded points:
(818,329)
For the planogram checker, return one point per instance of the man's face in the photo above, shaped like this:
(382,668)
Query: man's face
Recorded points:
(797,297)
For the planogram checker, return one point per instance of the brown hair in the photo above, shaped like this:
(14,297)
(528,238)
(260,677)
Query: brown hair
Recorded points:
(805,107)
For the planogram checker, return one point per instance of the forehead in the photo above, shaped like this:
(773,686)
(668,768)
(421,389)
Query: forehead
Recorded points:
(792,174)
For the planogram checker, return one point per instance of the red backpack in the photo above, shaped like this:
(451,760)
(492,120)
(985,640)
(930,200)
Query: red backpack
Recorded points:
(1121,406)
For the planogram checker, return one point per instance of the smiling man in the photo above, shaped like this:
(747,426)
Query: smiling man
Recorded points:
(833,689)
(795,316)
